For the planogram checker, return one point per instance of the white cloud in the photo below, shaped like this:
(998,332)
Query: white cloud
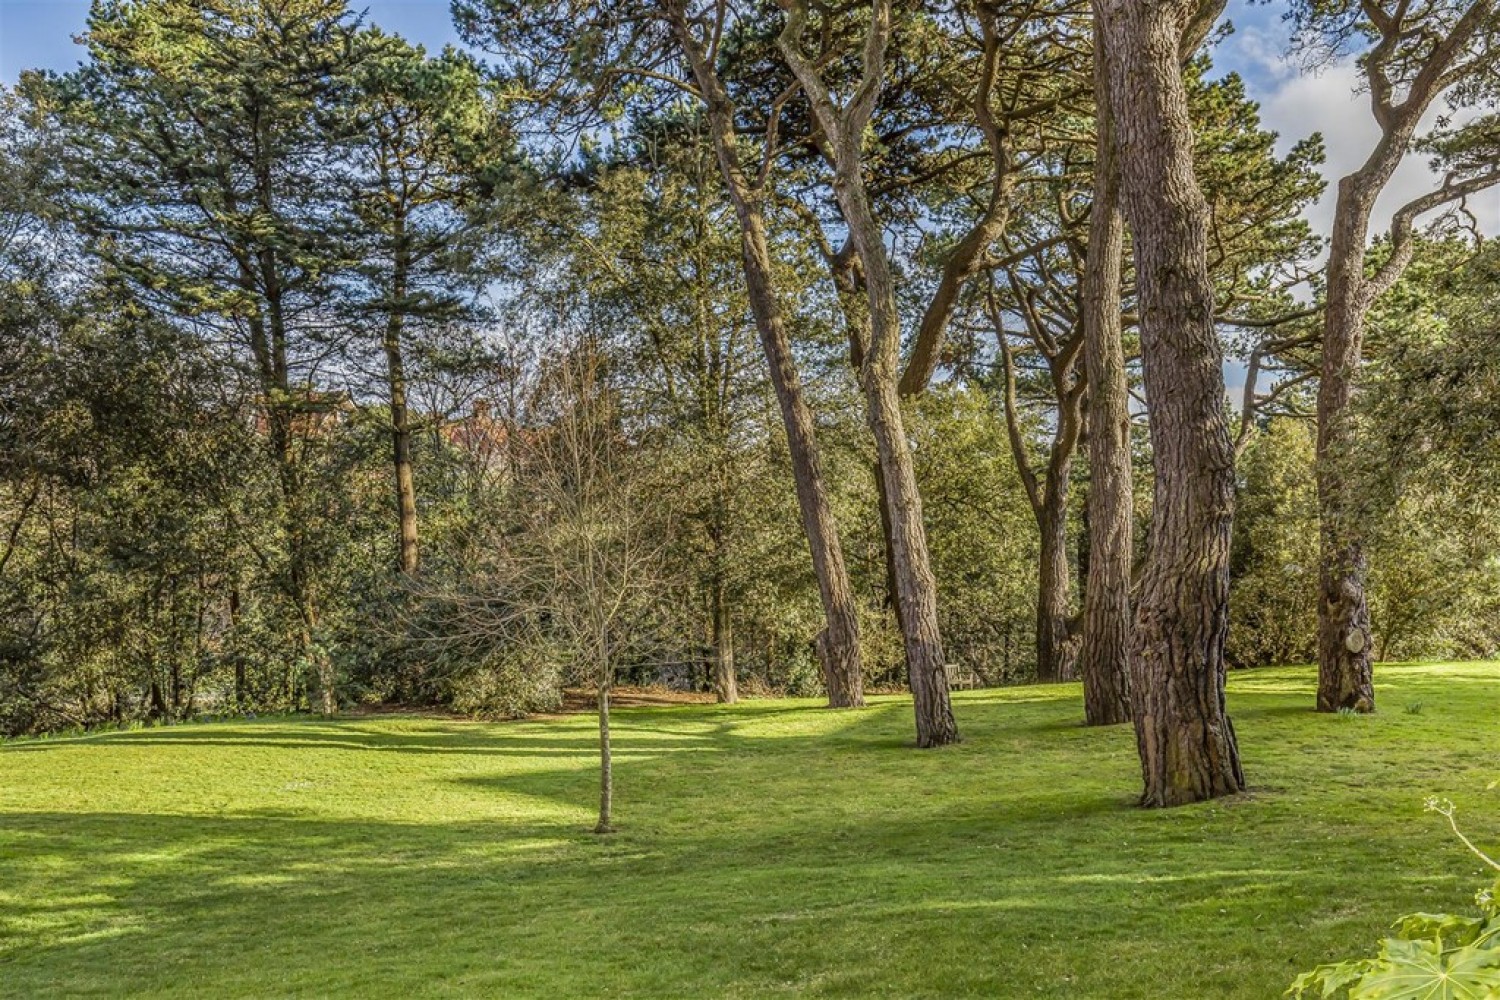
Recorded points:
(1296,102)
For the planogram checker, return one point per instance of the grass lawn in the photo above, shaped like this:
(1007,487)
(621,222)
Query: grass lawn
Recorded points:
(765,849)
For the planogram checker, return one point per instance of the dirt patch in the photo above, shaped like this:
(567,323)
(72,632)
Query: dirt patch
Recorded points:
(576,700)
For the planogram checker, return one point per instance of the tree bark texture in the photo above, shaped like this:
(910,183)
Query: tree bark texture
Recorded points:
(1345,647)
(837,645)
(1345,674)
(1054,582)
(916,588)
(1184,736)
(1104,651)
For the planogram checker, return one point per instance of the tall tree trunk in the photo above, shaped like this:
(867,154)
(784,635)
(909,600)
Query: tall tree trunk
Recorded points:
(1104,652)
(1345,675)
(916,589)
(1185,739)
(1054,582)
(406,492)
(837,644)
(1345,672)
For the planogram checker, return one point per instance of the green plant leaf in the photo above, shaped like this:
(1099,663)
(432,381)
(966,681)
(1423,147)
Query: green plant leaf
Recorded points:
(1421,970)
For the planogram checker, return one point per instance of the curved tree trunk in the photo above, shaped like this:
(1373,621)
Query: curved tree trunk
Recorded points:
(916,589)
(1430,57)
(837,644)
(1104,653)
(1186,742)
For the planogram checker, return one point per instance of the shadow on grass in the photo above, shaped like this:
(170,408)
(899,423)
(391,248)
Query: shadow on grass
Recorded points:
(753,857)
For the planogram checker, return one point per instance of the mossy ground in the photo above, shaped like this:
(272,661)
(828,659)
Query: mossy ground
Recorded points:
(770,848)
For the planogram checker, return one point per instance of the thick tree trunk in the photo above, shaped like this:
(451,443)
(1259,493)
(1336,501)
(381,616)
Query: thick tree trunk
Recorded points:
(1345,671)
(406,492)
(837,645)
(916,589)
(1185,739)
(1104,652)
(1053,582)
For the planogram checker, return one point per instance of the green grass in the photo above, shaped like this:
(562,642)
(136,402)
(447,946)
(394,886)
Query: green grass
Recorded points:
(767,849)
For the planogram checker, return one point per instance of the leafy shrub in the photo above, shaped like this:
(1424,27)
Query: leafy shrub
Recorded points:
(1433,956)
(509,684)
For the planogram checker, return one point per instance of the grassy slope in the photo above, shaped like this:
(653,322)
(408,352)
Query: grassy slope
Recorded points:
(771,848)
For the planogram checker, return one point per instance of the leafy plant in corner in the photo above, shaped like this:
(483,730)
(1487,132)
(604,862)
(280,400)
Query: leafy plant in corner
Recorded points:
(1432,956)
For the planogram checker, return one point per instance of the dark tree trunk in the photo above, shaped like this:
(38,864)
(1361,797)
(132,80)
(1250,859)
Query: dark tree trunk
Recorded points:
(406,493)
(1186,741)
(837,645)
(1053,584)
(1104,650)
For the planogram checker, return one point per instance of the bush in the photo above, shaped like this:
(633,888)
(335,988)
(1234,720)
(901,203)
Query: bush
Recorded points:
(509,684)
(1432,955)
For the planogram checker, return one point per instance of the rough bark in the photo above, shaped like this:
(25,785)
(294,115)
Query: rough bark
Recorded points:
(1345,673)
(837,645)
(1184,736)
(1104,651)
(1054,585)
(916,588)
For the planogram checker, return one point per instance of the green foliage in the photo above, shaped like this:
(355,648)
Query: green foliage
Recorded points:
(516,681)
(1432,956)
(1274,558)
(982,534)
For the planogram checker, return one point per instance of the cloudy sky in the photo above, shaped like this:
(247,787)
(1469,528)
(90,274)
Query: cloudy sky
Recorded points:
(1295,101)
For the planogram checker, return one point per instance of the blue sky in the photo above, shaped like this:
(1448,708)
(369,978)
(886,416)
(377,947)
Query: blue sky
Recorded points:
(1294,102)
(38,33)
